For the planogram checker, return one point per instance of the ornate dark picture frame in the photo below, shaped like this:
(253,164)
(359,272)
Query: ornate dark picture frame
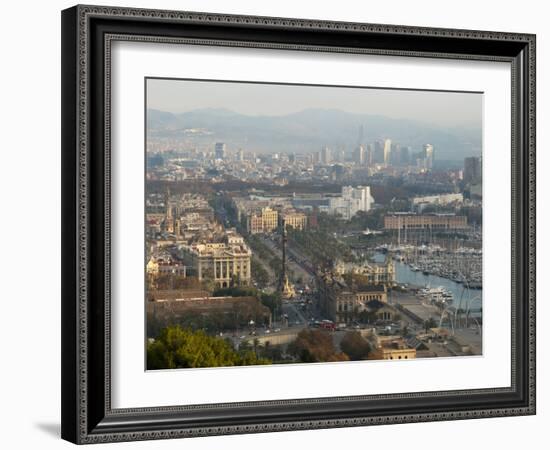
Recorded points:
(87,34)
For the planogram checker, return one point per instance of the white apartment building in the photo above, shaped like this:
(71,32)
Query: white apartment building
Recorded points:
(351,201)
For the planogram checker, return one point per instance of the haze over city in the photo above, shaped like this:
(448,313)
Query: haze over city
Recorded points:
(279,118)
(296,224)
(440,108)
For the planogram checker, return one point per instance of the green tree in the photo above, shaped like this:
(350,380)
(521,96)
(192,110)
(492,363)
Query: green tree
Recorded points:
(259,274)
(315,346)
(429,323)
(274,302)
(176,348)
(355,346)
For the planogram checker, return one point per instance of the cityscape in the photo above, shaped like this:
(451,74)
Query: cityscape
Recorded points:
(308,234)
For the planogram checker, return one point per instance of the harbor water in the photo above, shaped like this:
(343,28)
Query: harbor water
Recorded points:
(405,275)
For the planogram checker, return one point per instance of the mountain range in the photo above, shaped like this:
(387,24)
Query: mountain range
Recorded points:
(309,130)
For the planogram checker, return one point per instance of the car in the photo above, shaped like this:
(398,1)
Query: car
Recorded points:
(276,330)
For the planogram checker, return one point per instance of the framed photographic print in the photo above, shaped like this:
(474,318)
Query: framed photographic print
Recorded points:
(279,224)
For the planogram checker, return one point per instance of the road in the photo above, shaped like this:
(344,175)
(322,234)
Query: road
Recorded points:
(295,316)
(292,265)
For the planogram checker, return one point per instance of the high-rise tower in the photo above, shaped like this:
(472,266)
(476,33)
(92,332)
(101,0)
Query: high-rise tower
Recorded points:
(219,150)
(429,155)
(359,155)
(387,152)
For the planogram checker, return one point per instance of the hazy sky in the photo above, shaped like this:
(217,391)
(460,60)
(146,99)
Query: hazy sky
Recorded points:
(439,108)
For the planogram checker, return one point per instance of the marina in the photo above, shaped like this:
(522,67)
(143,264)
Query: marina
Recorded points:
(461,264)
(462,295)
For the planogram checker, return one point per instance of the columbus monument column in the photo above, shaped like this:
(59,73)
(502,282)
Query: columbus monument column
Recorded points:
(285,287)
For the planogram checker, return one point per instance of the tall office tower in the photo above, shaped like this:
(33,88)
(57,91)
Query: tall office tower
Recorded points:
(325,156)
(472,170)
(405,156)
(240,155)
(387,151)
(378,152)
(219,150)
(316,158)
(395,156)
(291,158)
(359,156)
(369,155)
(429,155)
(340,155)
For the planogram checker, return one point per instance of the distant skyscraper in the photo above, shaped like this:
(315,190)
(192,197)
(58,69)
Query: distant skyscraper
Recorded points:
(359,155)
(378,152)
(395,156)
(240,155)
(316,158)
(369,155)
(405,157)
(429,155)
(219,150)
(325,156)
(472,170)
(340,155)
(387,151)
(291,158)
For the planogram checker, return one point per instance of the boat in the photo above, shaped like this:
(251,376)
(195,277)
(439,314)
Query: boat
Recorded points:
(436,296)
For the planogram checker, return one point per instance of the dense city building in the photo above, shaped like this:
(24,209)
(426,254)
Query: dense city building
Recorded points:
(472,170)
(351,201)
(294,219)
(429,155)
(165,265)
(220,150)
(265,220)
(326,156)
(369,273)
(411,222)
(391,347)
(438,199)
(420,203)
(359,155)
(226,263)
(342,301)
(387,152)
